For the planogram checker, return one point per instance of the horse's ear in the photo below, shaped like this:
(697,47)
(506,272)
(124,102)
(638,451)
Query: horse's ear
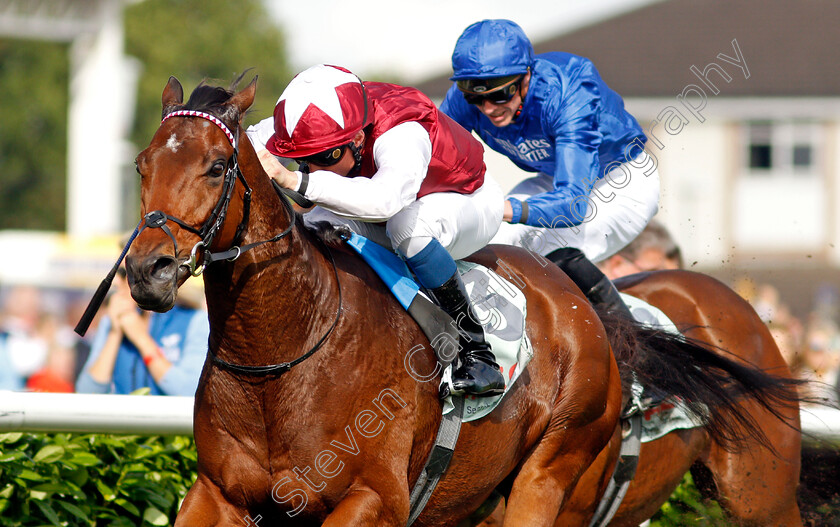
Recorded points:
(173,94)
(245,98)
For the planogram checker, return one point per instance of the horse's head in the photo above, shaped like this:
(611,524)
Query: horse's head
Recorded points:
(189,198)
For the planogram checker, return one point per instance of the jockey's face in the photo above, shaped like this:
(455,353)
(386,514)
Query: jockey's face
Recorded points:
(347,161)
(503,114)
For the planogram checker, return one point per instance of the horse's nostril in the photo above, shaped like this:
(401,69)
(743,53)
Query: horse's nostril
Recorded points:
(163,268)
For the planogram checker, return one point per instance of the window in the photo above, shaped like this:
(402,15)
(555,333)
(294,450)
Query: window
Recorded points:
(782,148)
(760,146)
(779,201)
(802,156)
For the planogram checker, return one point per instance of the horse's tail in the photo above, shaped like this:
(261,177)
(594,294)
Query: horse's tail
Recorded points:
(707,379)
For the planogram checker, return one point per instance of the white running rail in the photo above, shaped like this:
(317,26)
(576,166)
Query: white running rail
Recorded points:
(95,413)
(171,415)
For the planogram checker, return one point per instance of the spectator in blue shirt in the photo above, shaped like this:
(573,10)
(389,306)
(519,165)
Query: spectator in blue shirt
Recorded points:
(9,379)
(136,349)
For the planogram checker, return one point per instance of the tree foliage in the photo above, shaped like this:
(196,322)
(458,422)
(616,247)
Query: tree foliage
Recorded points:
(196,40)
(193,40)
(33,134)
(93,479)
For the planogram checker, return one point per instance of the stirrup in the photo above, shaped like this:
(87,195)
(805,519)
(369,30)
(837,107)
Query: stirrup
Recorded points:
(481,378)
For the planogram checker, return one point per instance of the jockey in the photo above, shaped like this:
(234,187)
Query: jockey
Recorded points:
(383,160)
(553,114)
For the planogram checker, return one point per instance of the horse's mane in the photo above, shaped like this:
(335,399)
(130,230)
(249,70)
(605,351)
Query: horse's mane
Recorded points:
(333,236)
(206,98)
(212,99)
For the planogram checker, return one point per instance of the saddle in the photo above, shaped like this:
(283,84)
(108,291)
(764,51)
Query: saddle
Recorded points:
(498,303)
(501,309)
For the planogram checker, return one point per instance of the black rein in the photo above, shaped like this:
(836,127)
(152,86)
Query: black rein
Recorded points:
(157,219)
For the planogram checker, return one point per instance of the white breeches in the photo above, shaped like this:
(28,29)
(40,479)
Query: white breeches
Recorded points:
(620,206)
(462,223)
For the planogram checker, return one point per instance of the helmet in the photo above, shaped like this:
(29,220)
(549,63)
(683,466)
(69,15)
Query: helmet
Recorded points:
(322,107)
(491,48)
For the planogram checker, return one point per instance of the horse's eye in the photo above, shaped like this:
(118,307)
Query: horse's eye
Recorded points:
(217,169)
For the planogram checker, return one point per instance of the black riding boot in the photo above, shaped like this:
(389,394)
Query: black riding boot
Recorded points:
(600,291)
(598,288)
(477,373)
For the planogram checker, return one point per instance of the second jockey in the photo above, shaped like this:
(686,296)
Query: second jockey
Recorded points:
(595,189)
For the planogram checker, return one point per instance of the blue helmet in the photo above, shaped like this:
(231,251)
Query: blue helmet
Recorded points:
(491,48)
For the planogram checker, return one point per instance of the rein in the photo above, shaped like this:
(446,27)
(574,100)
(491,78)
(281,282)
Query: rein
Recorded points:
(283,367)
(158,219)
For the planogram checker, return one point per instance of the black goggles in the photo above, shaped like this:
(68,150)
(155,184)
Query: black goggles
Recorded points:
(499,96)
(326,158)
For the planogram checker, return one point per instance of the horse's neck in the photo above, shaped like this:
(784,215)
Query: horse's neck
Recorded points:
(268,308)
(275,300)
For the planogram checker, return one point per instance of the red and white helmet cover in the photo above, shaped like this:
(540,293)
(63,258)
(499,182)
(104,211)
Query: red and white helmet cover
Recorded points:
(321,108)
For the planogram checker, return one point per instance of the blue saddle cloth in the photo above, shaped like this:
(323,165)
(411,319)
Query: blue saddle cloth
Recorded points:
(390,267)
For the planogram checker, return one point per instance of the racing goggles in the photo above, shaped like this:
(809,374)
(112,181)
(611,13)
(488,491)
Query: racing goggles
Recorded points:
(326,158)
(498,90)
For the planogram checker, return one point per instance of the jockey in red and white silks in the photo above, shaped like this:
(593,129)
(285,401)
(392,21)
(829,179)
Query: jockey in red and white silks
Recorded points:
(412,152)
(384,160)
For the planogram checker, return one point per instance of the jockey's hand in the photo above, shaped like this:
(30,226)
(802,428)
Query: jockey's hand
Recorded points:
(276,171)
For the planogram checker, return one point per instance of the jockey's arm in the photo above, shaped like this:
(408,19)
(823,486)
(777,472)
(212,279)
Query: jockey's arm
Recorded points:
(259,135)
(566,204)
(401,155)
(576,139)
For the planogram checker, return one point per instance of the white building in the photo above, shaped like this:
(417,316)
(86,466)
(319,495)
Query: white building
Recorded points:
(741,103)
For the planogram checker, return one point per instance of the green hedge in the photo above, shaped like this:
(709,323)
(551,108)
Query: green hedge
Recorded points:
(89,480)
(687,507)
(117,480)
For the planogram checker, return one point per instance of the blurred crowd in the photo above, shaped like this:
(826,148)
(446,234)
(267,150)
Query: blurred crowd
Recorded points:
(127,349)
(38,349)
(810,344)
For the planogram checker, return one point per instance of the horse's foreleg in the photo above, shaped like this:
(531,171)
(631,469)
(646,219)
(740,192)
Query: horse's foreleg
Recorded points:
(204,506)
(364,507)
(543,485)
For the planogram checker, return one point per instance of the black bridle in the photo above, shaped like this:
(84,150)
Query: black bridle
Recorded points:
(158,219)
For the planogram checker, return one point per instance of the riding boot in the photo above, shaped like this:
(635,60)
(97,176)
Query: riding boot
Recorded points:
(477,372)
(596,286)
(602,292)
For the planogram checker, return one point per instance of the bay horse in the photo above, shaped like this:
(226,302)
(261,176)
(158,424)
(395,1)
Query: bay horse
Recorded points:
(308,410)
(336,439)
(754,478)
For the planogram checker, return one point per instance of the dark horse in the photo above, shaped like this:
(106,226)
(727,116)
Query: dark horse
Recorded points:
(310,409)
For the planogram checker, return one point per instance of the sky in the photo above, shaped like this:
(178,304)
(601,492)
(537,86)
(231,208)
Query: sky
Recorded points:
(413,40)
